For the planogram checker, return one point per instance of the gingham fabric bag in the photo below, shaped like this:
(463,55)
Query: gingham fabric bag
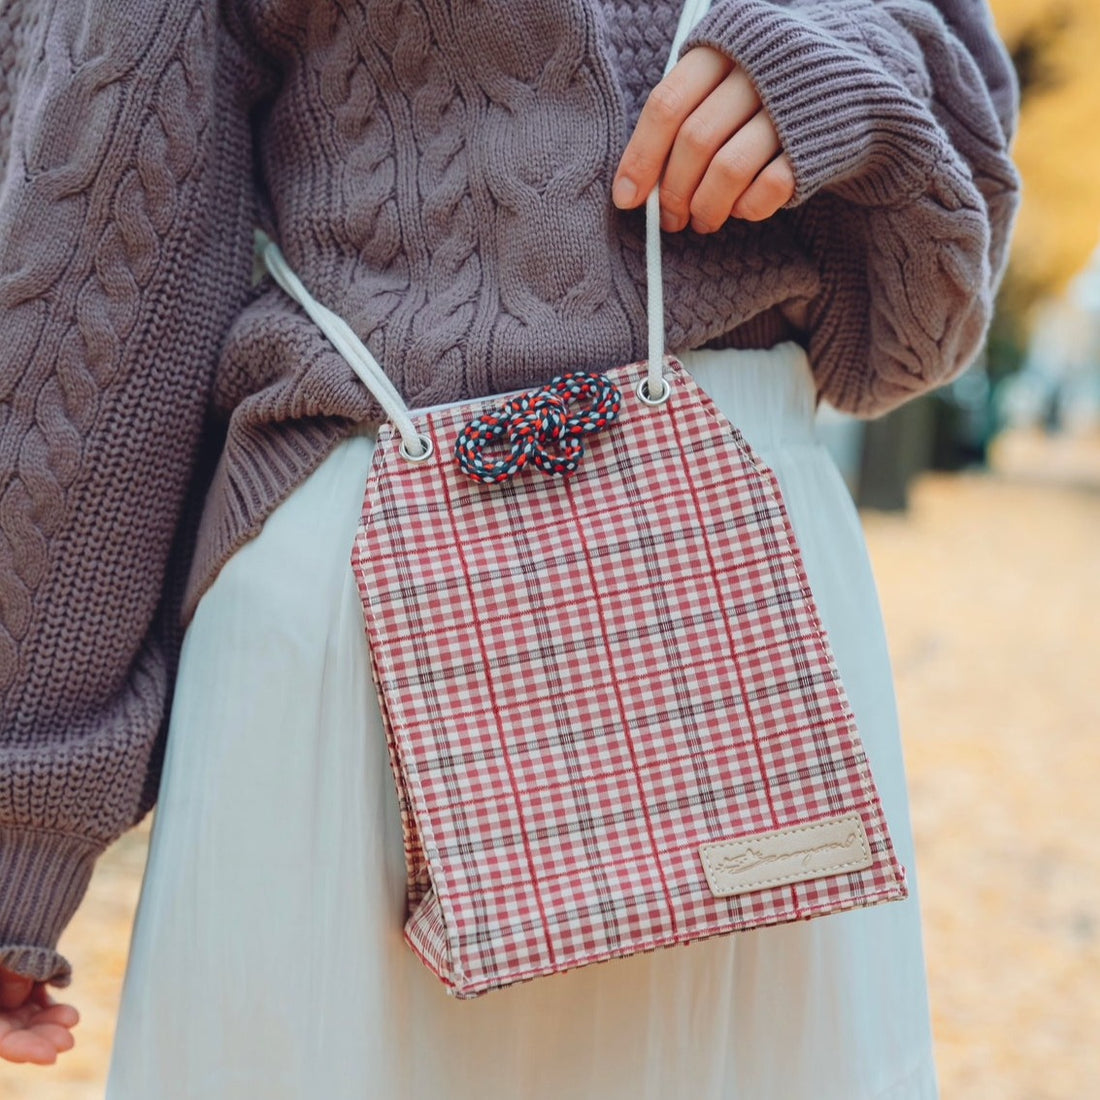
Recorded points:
(614,718)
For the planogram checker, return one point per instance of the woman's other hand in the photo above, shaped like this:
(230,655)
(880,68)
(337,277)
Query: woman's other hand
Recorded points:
(705,129)
(33,1028)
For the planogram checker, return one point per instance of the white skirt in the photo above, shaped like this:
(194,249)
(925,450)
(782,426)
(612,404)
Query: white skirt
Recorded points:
(267,959)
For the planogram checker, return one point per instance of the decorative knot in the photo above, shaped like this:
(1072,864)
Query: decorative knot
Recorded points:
(537,426)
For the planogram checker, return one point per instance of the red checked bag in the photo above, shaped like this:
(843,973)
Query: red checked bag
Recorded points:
(614,718)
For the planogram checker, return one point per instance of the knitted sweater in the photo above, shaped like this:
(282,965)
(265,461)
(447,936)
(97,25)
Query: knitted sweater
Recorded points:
(438,172)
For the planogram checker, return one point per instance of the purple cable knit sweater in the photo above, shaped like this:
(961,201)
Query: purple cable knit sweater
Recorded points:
(439,174)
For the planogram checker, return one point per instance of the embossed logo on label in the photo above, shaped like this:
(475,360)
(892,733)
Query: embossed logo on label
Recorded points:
(797,854)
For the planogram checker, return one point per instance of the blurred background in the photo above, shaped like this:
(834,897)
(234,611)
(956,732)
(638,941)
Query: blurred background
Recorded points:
(982,510)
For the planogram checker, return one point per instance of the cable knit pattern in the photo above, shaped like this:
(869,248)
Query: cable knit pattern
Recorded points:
(123,227)
(439,174)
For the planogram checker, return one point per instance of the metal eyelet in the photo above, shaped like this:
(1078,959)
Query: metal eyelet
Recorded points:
(425,442)
(642,390)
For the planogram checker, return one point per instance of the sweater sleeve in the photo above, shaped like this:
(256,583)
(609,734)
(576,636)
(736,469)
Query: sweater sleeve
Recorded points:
(896,116)
(125,250)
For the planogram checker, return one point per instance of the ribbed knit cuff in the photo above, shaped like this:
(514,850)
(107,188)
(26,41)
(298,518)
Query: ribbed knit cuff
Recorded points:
(843,118)
(43,876)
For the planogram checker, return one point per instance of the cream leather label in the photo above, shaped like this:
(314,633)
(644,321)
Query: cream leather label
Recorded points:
(796,854)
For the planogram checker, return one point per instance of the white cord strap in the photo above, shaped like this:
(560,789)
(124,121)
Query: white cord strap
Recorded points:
(656,389)
(413,445)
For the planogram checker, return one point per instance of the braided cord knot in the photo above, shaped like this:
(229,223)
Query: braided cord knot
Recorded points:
(538,427)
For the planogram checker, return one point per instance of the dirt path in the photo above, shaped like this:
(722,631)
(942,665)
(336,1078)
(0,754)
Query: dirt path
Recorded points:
(991,591)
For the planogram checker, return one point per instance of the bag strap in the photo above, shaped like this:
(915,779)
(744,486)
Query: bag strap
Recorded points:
(344,340)
(654,390)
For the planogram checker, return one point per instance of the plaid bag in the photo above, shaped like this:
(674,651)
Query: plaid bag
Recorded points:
(614,718)
(613,715)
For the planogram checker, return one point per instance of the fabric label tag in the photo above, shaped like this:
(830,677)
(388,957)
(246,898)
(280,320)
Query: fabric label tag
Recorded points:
(796,854)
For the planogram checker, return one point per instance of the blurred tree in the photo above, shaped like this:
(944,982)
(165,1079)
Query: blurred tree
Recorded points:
(1055,45)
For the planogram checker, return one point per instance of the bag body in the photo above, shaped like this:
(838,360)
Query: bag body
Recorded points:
(614,719)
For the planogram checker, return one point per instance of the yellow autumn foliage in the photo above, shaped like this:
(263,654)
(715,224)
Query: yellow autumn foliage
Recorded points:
(1058,145)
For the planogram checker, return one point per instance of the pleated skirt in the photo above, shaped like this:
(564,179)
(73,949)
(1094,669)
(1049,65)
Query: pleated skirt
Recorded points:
(267,958)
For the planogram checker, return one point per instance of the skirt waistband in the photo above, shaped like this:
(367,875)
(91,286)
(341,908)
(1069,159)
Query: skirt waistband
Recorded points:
(769,394)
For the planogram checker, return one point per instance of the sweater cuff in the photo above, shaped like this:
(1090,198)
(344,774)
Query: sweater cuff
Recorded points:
(43,877)
(843,118)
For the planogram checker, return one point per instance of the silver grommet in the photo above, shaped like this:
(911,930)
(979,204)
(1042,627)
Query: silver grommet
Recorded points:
(642,390)
(426,453)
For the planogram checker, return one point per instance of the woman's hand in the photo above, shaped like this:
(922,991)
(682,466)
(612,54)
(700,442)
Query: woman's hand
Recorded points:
(32,1027)
(705,128)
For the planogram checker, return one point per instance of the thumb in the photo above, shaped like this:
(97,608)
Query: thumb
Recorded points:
(14,990)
